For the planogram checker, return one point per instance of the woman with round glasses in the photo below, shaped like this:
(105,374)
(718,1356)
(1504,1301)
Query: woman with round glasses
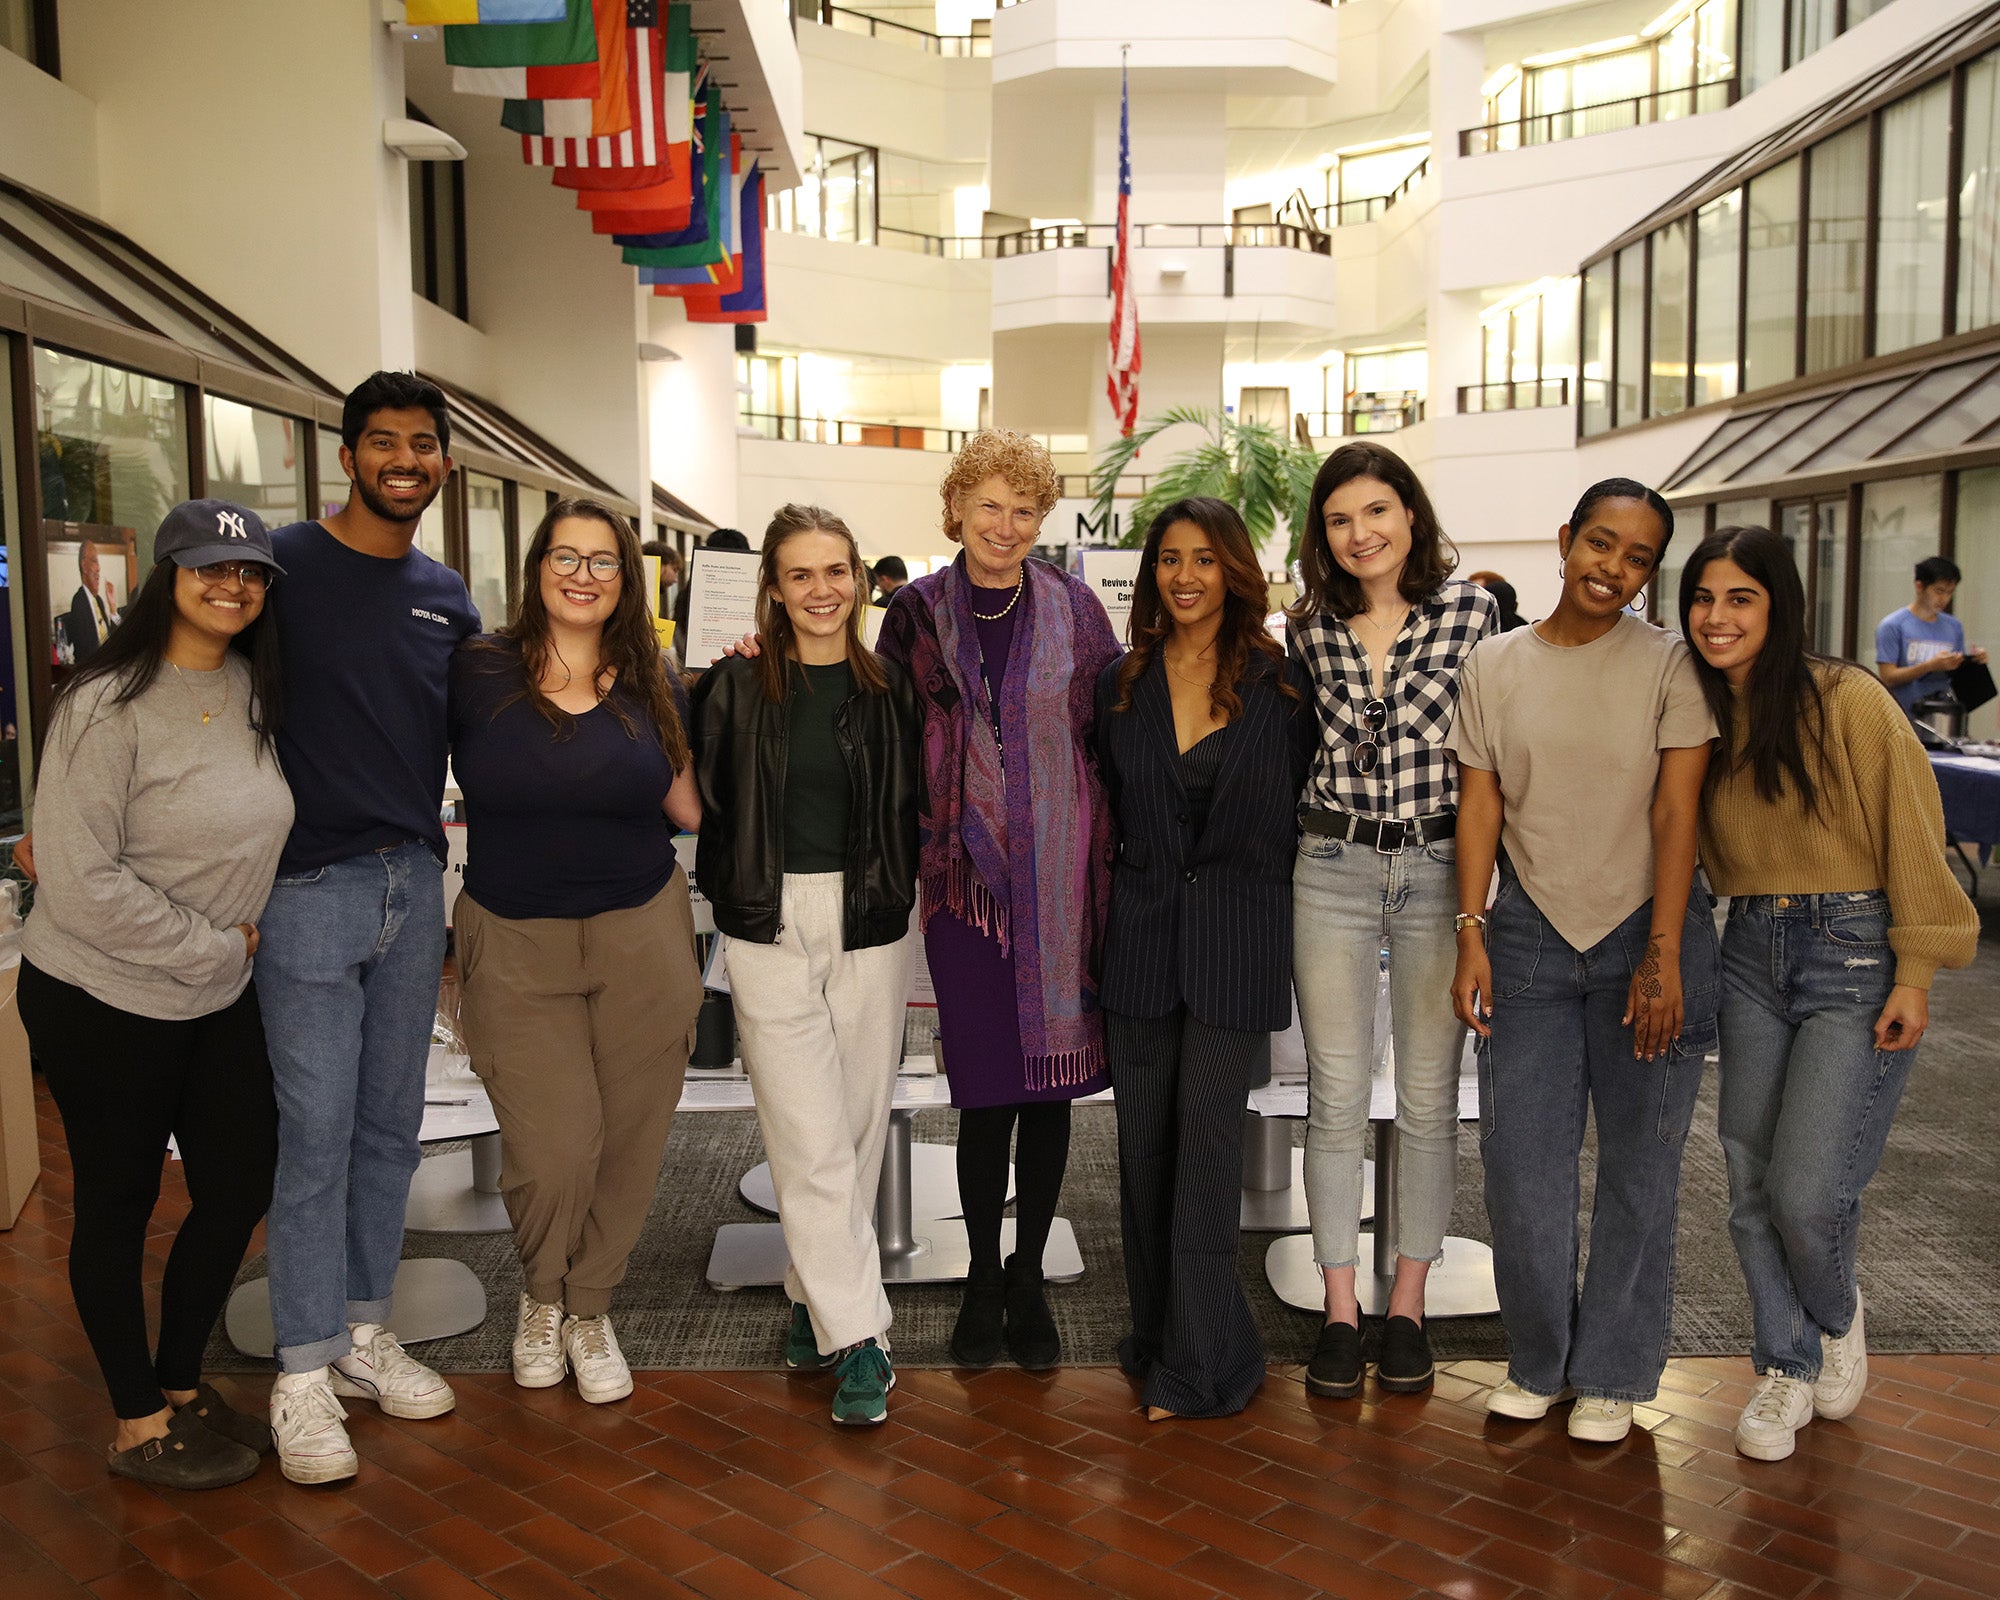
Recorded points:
(160,812)
(1381,628)
(575,937)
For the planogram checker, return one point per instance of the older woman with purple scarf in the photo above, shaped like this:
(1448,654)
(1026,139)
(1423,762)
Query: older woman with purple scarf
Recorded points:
(1014,865)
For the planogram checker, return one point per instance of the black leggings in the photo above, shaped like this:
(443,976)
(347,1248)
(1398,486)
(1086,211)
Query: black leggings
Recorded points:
(1040,1159)
(123,1083)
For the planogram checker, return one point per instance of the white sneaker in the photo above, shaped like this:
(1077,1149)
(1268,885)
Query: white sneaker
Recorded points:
(1596,1420)
(539,1362)
(381,1370)
(592,1348)
(1523,1405)
(306,1424)
(1843,1374)
(1769,1427)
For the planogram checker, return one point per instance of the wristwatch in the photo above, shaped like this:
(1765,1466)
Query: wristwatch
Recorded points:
(1468,919)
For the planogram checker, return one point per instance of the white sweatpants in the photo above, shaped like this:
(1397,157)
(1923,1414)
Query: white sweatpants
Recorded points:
(821,1029)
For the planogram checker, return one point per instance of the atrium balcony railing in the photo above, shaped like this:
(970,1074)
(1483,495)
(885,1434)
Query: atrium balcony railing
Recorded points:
(844,430)
(843,20)
(1348,213)
(1390,418)
(1528,394)
(1609,116)
(1104,235)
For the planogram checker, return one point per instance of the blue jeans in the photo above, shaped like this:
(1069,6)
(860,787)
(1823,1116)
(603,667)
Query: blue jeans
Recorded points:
(1807,1101)
(347,978)
(1349,903)
(1557,1053)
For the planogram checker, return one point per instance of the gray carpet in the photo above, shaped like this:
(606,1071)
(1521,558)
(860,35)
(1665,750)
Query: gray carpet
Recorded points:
(1930,1243)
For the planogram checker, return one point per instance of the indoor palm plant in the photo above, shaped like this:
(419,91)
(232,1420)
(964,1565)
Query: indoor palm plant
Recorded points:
(1252,465)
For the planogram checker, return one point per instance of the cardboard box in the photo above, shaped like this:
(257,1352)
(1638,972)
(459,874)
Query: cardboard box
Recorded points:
(20,1149)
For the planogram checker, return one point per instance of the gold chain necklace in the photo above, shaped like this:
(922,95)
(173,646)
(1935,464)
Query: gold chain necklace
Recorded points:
(1020,583)
(206,715)
(1200,683)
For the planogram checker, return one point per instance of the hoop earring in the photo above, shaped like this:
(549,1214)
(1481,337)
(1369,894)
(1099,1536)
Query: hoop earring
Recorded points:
(1638,603)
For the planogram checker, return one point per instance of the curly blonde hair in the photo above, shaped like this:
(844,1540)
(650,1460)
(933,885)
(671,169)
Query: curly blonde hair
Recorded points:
(1020,460)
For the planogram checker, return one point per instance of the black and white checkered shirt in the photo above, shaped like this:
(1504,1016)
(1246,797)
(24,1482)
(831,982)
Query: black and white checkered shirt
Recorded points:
(1417,776)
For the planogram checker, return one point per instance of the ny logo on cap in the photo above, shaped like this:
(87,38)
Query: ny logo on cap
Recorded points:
(231,523)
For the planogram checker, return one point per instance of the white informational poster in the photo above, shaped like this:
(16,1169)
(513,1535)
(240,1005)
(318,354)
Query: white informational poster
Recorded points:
(1111,575)
(704,914)
(722,604)
(454,866)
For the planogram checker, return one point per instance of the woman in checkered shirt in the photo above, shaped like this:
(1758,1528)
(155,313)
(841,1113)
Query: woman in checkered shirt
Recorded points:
(1381,628)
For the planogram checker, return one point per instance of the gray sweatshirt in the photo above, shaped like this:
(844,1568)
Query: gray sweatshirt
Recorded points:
(155,835)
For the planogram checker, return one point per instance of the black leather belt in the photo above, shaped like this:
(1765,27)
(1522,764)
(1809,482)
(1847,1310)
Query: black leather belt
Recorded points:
(1386,836)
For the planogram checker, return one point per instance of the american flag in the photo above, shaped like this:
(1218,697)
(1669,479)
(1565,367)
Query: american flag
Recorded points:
(644,143)
(1123,383)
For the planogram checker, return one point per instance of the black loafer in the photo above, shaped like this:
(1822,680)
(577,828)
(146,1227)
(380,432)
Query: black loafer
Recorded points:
(219,1416)
(1032,1339)
(189,1457)
(980,1333)
(1405,1366)
(1335,1370)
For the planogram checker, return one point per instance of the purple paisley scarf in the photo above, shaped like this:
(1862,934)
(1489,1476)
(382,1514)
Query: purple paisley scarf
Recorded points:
(1020,848)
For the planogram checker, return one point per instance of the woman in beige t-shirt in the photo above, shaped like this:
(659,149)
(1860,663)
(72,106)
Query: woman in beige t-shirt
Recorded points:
(1592,982)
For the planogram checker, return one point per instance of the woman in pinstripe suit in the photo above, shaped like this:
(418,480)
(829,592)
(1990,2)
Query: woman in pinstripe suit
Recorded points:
(1204,731)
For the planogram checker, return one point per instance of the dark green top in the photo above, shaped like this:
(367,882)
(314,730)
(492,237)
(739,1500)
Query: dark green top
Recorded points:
(817,788)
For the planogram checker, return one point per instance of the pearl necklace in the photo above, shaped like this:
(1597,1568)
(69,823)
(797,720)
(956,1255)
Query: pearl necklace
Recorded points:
(1020,583)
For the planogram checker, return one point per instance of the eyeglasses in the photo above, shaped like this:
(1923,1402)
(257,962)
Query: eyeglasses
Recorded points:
(563,562)
(1368,753)
(248,573)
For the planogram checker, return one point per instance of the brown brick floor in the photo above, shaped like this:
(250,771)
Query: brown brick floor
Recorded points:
(735,1486)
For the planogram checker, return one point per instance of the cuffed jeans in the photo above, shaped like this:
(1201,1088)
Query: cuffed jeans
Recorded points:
(347,978)
(1558,1052)
(1807,1101)
(1349,903)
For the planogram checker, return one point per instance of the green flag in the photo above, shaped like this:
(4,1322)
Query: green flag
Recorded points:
(713,246)
(526,44)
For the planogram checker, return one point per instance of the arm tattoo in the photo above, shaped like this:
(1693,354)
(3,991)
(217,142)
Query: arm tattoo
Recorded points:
(1648,974)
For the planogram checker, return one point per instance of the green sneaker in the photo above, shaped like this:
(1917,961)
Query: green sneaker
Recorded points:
(862,1400)
(802,1347)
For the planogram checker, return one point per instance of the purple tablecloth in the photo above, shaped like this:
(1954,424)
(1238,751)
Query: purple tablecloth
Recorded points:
(1970,788)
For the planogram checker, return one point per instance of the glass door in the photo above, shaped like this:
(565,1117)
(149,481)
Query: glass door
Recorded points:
(1816,531)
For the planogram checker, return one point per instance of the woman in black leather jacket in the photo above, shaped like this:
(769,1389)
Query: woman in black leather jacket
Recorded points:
(807,757)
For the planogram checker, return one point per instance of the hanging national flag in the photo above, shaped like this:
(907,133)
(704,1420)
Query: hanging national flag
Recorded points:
(726,275)
(669,158)
(1123,383)
(603,117)
(643,143)
(528,60)
(430,13)
(747,304)
(661,203)
(700,242)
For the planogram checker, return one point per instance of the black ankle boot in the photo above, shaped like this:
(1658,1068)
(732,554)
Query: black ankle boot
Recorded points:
(976,1338)
(1031,1328)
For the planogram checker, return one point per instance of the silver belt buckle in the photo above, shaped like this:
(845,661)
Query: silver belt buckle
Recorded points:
(1382,845)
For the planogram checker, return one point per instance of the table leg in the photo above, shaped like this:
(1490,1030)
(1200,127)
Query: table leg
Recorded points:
(1274,1179)
(459,1191)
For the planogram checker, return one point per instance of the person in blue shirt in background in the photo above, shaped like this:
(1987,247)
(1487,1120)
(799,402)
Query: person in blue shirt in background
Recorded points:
(1919,646)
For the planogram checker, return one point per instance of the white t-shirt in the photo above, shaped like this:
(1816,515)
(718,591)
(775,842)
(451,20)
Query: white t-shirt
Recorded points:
(1574,735)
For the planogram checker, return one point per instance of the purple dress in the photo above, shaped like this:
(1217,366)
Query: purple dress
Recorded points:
(977,1017)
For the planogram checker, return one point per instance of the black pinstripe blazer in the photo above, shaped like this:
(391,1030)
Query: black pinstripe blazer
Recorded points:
(1205,922)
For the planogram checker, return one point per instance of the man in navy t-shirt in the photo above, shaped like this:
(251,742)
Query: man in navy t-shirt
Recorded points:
(352,942)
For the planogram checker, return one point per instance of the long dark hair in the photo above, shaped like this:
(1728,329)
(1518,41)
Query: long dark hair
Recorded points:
(1782,704)
(1244,608)
(133,653)
(1325,585)
(629,657)
(777,648)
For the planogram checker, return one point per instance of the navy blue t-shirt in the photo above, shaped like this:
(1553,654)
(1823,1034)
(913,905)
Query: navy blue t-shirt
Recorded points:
(557,827)
(367,645)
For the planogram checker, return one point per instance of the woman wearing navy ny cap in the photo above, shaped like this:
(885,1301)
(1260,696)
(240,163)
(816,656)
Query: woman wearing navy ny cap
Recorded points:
(159,815)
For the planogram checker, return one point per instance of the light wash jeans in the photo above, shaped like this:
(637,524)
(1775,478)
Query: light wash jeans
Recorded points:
(347,978)
(1807,1101)
(1349,903)
(1558,1053)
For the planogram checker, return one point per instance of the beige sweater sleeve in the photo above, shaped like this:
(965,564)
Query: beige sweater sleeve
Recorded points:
(1931,922)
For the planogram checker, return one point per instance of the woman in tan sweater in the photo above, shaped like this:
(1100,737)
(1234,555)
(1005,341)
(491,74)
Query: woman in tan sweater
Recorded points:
(1821,822)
